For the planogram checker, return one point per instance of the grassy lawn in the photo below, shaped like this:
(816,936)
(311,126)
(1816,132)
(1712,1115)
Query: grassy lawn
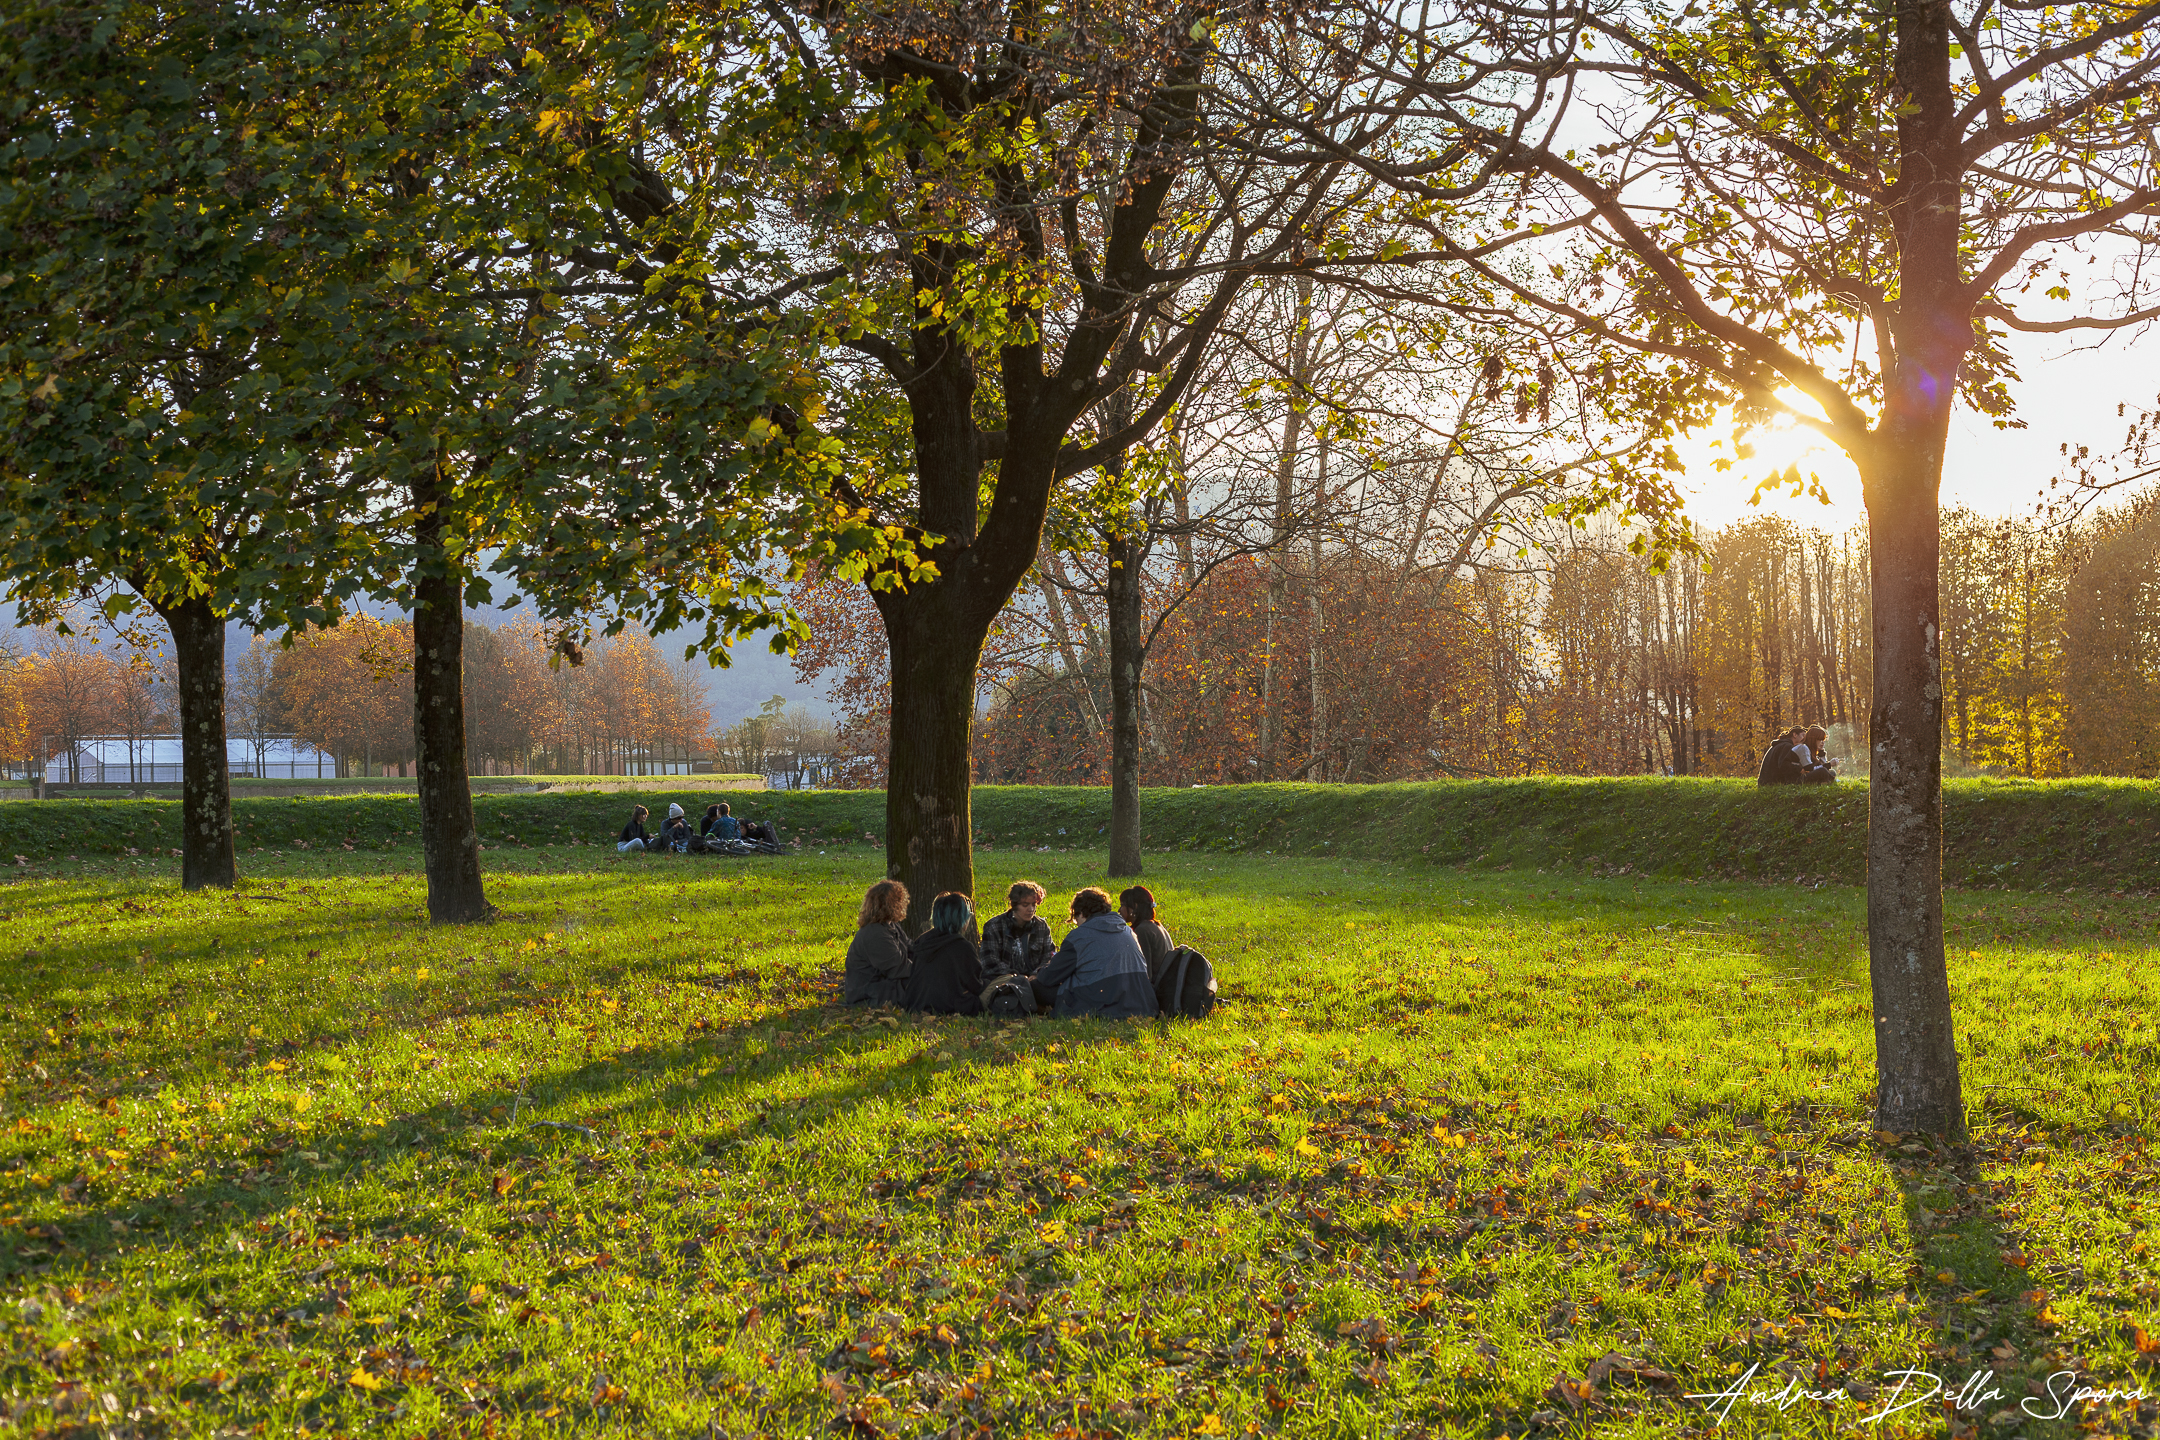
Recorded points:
(1462,1153)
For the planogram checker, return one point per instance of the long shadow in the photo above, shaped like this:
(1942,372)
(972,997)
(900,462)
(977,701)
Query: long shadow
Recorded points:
(593,1091)
(1972,1286)
(112,972)
(153,1058)
(193,1218)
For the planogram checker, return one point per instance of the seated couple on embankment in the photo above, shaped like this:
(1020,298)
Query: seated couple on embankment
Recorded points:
(1796,758)
(1105,969)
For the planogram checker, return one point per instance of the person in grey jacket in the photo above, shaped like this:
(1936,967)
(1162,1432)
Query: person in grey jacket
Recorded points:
(877,959)
(1099,970)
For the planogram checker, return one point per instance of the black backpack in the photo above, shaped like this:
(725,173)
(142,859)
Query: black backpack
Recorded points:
(1009,997)
(1187,987)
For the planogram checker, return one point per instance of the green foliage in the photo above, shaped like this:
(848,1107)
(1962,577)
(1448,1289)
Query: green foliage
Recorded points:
(169,224)
(1456,1147)
(305,303)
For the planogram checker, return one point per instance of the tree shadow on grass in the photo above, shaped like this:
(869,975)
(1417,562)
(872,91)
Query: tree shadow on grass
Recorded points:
(604,1097)
(1972,1285)
(626,1132)
(106,996)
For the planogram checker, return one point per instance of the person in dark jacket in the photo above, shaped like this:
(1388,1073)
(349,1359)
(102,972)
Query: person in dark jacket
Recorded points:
(1018,941)
(944,976)
(877,960)
(1780,763)
(1136,907)
(1099,970)
(674,831)
(632,839)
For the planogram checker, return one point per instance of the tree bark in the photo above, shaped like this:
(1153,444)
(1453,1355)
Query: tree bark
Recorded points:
(1126,554)
(1916,1062)
(449,838)
(1301,368)
(929,831)
(206,844)
(1314,658)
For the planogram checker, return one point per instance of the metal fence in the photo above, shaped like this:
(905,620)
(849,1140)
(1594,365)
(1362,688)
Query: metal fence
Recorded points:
(155,760)
(811,772)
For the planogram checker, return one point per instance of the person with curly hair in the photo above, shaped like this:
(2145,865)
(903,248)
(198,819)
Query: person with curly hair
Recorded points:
(877,959)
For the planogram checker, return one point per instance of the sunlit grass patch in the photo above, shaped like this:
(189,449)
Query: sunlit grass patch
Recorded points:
(1460,1153)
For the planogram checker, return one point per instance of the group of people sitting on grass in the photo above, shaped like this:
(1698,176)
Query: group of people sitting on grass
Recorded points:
(1796,758)
(1108,966)
(720,831)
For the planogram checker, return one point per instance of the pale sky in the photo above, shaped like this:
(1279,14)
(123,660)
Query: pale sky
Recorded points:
(2066,394)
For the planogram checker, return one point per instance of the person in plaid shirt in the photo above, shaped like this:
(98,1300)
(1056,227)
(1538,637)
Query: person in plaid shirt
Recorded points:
(1018,941)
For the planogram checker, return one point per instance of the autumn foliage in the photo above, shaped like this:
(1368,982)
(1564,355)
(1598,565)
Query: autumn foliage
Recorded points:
(625,709)
(1595,664)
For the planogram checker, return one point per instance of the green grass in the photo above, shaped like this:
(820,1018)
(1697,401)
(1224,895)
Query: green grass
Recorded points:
(2088,835)
(288,1160)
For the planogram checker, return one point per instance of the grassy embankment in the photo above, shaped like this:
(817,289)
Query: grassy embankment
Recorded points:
(1463,1153)
(2089,835)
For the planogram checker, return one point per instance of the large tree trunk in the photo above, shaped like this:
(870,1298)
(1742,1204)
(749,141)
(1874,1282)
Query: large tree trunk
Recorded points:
(929,839)
(1916,1061)
(449,838)
(1125,556)
(1916,1058)
(206,844)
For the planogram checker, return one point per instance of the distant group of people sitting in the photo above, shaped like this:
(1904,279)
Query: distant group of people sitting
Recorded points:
(1797,758)
(719,827)
(1107,967)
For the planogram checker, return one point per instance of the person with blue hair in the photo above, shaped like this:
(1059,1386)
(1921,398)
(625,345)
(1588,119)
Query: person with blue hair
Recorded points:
(945,972)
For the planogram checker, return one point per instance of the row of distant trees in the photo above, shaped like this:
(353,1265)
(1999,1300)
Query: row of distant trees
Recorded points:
(62,688)
(1590,662)
(346,691)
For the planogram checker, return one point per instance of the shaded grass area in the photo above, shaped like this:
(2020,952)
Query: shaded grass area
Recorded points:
(1462,1154)
(2088,834)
